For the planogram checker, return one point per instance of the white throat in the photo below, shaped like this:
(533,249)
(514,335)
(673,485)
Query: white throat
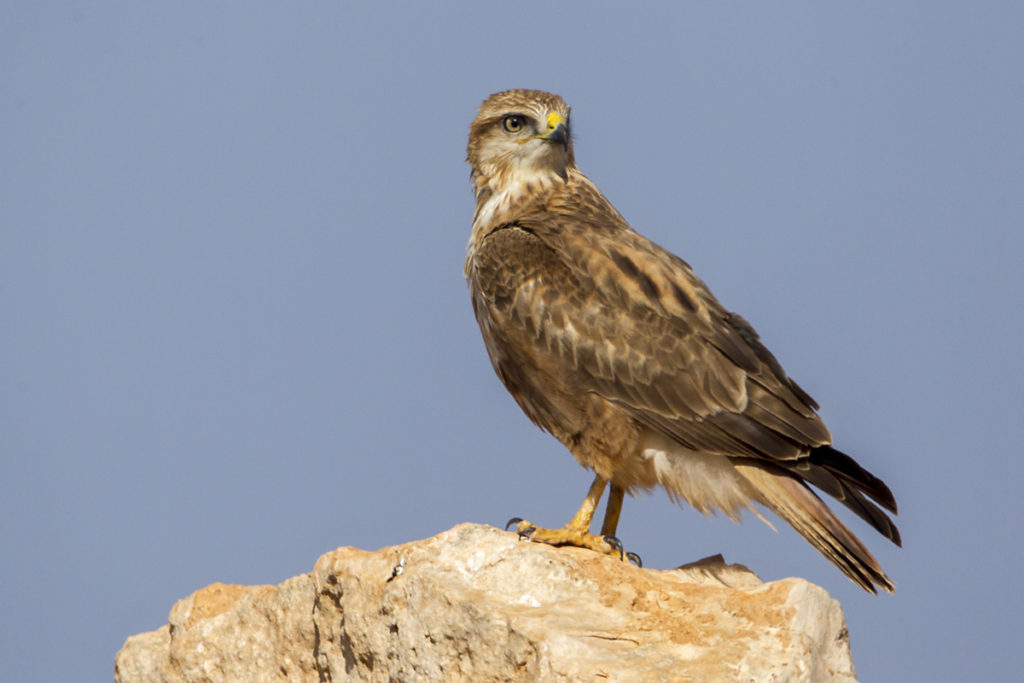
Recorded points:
(513,188)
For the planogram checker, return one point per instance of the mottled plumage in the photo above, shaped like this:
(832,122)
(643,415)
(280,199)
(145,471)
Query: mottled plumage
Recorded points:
(612,344)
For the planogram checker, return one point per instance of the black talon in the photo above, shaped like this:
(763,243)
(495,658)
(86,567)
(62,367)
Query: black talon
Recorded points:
(524,533)
(615,543)
(635,559)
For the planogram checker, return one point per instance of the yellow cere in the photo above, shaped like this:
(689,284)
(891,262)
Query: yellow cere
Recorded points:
(554,119)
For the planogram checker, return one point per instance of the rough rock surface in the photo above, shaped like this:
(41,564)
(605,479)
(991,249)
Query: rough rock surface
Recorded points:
(474,603)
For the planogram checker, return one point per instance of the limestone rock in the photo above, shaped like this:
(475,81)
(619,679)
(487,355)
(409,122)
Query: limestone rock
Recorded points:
(228,633)
(475,603)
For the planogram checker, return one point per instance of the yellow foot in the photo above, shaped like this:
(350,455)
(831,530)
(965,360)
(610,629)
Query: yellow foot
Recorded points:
(574,536)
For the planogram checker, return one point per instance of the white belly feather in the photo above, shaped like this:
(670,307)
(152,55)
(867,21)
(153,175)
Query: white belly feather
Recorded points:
(708,482)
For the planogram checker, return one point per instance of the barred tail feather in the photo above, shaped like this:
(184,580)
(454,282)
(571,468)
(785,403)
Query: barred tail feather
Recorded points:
(797,504)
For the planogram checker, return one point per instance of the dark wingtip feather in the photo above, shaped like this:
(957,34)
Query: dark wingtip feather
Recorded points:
(845,492)
(844,466)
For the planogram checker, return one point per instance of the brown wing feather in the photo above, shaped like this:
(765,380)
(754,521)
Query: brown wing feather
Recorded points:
(645,333)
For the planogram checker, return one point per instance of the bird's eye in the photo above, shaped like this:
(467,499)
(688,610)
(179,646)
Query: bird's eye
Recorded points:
(513,123)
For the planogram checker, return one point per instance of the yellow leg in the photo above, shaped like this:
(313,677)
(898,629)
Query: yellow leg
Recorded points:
(577,531)
(612,512)
(581,520)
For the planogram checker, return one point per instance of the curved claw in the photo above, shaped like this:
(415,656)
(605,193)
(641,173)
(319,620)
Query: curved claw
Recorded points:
(635,559)
(615,543)
(523,533)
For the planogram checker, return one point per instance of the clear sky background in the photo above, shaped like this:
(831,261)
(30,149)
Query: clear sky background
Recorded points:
(235,335)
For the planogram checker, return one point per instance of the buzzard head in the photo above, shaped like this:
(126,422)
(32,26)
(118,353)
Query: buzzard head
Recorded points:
(522,134)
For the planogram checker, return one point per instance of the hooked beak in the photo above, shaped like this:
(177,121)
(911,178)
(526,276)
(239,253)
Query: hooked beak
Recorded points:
(557,130)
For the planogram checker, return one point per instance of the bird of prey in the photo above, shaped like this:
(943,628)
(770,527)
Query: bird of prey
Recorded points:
(612,344)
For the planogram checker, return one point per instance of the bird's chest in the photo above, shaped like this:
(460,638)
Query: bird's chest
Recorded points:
(517,285)
(521,293)
(504,287)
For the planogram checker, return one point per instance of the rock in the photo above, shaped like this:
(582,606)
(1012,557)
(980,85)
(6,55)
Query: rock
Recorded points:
(475,603)
(229,633)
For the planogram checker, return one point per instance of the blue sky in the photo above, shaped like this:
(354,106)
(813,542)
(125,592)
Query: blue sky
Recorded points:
(236,333)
